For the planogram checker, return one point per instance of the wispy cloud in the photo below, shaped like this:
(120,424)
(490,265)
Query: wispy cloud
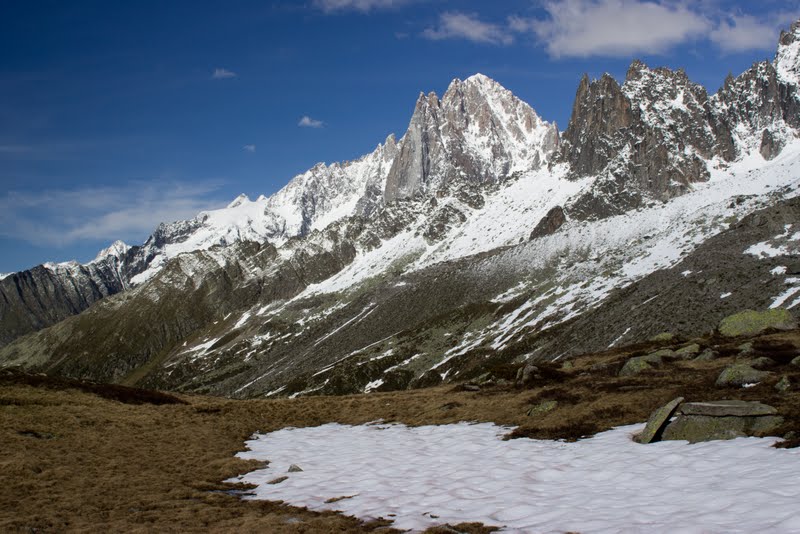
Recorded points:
(582,28)
(223,74)
(467,26)
(131,211)
(619,28)
(740,33)
(308,122)
(249,148)
(364,6)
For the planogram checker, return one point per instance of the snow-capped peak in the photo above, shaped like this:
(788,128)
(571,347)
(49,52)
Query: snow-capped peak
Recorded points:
(238,201)
(787,59)
(478,131)
(117,249)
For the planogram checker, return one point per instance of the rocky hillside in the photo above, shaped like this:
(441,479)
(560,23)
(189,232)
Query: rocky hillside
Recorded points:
(477,239)
(479,131)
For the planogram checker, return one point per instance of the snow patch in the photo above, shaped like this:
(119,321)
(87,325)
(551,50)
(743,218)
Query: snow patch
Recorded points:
(432,475)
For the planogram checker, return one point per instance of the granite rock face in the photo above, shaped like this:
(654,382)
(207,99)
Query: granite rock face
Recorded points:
(477,132)
(550,223)
(649,139)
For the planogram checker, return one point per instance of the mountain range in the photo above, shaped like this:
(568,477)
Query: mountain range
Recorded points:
(483,236)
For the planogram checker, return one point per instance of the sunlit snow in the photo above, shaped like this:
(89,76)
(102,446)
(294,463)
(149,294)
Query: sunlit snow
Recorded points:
(465,472)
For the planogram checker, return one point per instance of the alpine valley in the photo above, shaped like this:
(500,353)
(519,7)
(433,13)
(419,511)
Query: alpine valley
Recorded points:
(483,236)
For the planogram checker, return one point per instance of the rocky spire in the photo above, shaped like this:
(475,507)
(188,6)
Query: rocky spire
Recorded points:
(478,131)
(653,136)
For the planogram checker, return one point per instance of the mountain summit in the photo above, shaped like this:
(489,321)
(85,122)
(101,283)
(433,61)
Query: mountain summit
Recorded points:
(479,131)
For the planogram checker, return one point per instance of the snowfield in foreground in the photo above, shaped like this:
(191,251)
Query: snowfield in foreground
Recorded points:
(431,475)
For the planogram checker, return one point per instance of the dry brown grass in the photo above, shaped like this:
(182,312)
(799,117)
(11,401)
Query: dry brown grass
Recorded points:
(88,457)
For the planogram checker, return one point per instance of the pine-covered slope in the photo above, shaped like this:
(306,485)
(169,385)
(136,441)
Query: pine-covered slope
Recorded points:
(658,194)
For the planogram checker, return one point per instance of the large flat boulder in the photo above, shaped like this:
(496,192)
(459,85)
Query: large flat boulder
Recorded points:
(697,428)
(723,408)
(658,419)
(751,322)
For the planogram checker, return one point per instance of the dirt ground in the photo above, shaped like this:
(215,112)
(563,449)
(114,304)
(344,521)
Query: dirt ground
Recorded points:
(87,457)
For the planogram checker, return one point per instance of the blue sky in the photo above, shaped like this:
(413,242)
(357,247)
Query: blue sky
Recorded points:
(115,116)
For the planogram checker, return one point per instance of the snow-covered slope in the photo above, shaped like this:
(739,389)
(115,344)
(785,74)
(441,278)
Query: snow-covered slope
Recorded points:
(477,235)
(787,59)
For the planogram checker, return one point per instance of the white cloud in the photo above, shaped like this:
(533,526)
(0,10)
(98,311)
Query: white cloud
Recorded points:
(583,28)
(364,6)
(223,74)
(455,25)
(745,32)
(131,211)
(249,148)
(308,122)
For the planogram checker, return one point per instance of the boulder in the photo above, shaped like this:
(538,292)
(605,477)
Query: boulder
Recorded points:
(750,322)
(707,356)
(658,419)
(527,373)
(761,363)
(294,468)
(796,361)
(542,408)
(740,374)
(723,408)
(697,428)
(687,352)
(634,366)
(659,356)
(784,384)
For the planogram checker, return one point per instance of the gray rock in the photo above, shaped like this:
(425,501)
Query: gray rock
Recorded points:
(637,365)
(294,468)
(550,223)
(723,408)
(796,361)
(471,387)
(761,363)
(740,374)
(278,480)
(697,428)
(750,322)
(527,373)
(688,352)
(658,419)
(658,357)
(784,384)
(707,356)
(542,408)
(771,145)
